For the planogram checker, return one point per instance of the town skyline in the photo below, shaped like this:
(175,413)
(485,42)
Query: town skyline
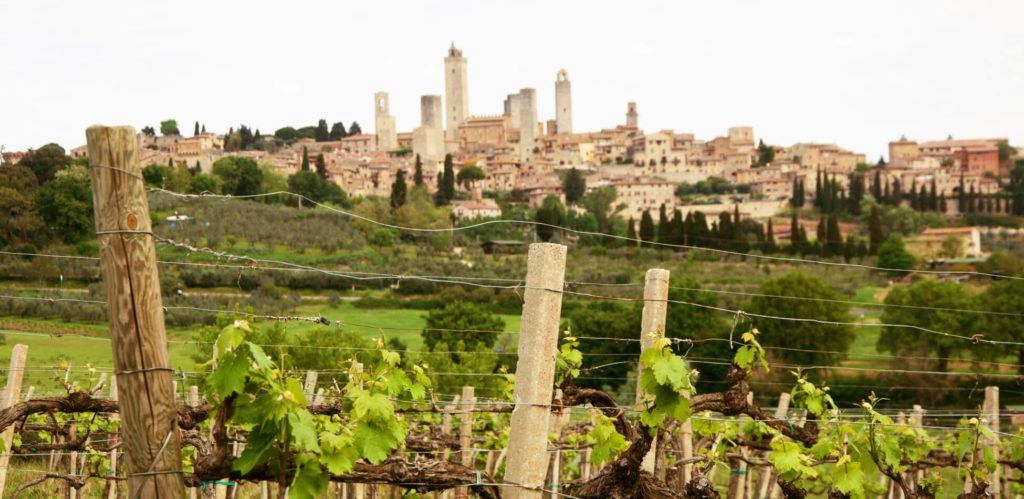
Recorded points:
(667,94)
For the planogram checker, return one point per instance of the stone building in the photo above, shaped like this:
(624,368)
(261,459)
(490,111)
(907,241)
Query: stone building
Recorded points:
(632,118)
(527,123)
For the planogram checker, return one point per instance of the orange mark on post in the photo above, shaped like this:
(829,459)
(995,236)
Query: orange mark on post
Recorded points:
(132,221)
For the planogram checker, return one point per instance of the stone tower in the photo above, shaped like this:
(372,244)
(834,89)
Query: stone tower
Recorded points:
(384,123)
(431,113)
(631,116)
(456,92)
(527,123)
(563,103)
(512,109)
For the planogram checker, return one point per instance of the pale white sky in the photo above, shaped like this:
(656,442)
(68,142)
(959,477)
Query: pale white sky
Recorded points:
(857,73)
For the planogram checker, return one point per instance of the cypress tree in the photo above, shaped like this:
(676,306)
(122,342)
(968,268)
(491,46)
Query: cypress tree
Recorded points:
(875,235)
(321,166)
(646,228)
(769,238)
(818,199)
(821,234)
(699,235)
(322,133)
(794,235)
(942,203)
(446,193)
(355,129)
(876,186)
(195,133)
(972,199)
(885,193)
(802,198)
(417,177)
(725,230)
(897,193)
(795,196)
(305,159)
(203,130)
(663,230)
(933,200)
(398,190)
(913,195)
(631,231)
(677,228)
(834,238)
(961,198)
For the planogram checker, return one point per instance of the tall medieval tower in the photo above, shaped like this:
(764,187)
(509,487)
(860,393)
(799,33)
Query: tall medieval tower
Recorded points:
(527,123)
(563,103)
(387,136)
(456,92)
(632,118)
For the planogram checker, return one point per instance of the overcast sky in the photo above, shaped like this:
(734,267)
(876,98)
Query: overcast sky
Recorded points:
(857,73)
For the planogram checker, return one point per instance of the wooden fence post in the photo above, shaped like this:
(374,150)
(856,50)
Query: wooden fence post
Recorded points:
(309,387)
(11,396)
(466,435)
(652,327)
(535,371)
(152,451)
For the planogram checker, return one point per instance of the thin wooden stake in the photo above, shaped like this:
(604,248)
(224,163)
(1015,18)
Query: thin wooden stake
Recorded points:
(466,435)
(766,485)
(152,450)
(535,369)
(992,416)
(11,396)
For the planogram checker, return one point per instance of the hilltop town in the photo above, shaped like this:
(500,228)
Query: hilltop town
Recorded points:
(524,155)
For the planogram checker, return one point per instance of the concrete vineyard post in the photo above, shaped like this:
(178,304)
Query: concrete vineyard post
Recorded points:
(535,371)
(652,327)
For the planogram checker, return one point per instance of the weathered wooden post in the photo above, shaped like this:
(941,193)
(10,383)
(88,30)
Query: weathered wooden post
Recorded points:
(11,396)
(535,371)
(992,416)
(652,327)
(766,483)
(466,435)
(152,451)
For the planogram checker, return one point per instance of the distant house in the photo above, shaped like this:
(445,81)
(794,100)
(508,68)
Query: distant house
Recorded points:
(477,207)
(929,243)
(176,220)
(497,247)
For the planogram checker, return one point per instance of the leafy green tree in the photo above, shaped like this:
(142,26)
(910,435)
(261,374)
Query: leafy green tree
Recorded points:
(574,186)
(599,202)
(155,175)
(893,254)
(311,186)
(646,228)
(765,154)
(545,218)
(461,321)
(240,176)
(398,190)
(286,134)
(202,182)
(65,206)
(469,174)
(20,223)
(802,335)
(355,129)
(322,133)
(605,320)
(338,131)
(553,203)
(697,322)
(46,161)
(417,177)
(913,342)
(169,127)
(148,131)
(1005,297)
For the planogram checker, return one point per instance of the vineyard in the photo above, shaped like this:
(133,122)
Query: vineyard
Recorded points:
(246,424)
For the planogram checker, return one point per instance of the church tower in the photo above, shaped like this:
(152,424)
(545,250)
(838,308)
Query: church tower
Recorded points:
(563,103)
(456,92)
